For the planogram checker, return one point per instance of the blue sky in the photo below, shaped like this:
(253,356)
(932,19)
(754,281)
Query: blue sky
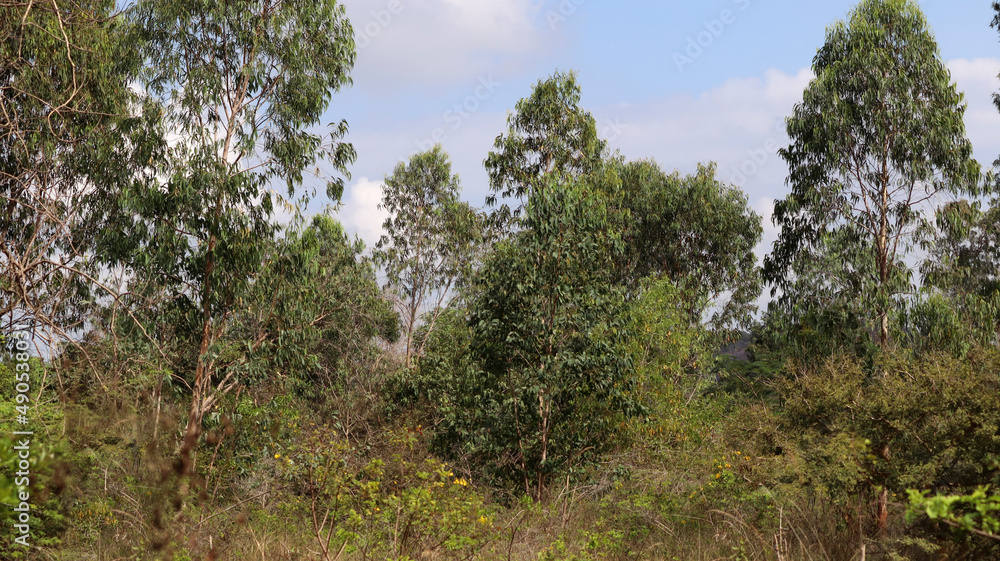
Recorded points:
(679,82)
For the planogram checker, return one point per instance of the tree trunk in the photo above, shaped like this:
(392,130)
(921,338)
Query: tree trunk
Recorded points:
(882,511)
(202,374)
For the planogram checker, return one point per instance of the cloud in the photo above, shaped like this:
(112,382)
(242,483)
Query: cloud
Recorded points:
(431,44)
(977,78)
(359,212)
(720,125)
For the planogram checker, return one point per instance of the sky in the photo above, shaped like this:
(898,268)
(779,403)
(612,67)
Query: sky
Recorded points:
(678,82)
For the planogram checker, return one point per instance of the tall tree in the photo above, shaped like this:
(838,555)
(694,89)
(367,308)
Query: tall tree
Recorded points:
(552,383)
(241,83)
(548,134)
(878,134)
(69,137)
(430,240)
(693,229)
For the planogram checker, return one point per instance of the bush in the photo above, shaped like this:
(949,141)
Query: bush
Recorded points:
(931,422)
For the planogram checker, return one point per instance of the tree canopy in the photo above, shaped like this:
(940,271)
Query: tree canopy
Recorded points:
(549,133)
(879,134)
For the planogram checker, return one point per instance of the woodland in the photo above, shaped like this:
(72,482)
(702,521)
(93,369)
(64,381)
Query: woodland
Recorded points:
(577,369)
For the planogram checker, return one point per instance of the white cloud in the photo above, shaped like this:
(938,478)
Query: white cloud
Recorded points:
(720,125)
(359,212)
(434,43)
(977,78)
(732,123)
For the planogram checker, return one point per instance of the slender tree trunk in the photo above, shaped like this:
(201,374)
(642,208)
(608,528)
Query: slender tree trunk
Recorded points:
(544,408)
(882,511)
(411,322)
(883,256)
(202,375)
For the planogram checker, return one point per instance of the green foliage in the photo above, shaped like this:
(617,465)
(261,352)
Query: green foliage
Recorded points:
(962,304)
(872,139)
(926,422)
(312,316)
(963,250)
(693,229)
(442,376)
(670,351)
(954,323)
(430,243)
(554,381)
(820,322)
(549,134)
(975,512)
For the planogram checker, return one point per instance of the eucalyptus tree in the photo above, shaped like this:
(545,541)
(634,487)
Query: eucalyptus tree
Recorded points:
(552,379)
(549,133)
(430,242)
(69,136)
(315,312)
(242,85)
(878,136)
(693,229)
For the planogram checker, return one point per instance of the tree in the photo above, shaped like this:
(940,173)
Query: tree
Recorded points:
(315,312)
(548,134)
(822,311)
(552,378)
(959,304)
(878,134)
(70,135)
(430,240)
(964,250)
(240,84)
(667,346)
(694,230)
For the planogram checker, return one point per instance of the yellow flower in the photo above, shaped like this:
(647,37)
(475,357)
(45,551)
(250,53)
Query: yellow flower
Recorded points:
(461,482)
(276,456)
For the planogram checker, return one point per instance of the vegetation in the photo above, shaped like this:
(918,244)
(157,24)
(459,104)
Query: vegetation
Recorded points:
(544,379)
